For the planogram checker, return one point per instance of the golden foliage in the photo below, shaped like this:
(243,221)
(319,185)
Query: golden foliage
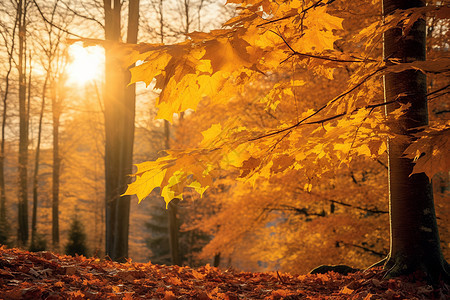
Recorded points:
(277,46)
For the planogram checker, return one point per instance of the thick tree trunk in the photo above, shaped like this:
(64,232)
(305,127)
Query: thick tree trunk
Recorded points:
(127,115)
(415,244)
(22,233)
(119,131)
(111,96)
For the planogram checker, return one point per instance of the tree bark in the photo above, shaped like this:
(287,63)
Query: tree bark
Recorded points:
(4,228)
(36,166)
(173,225)
(119,131)
(112,33)
(414,243)
(56,114)
(22,233)
(174,229)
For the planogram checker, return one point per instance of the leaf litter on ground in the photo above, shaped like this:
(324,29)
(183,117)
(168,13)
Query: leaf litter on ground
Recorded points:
(45,275)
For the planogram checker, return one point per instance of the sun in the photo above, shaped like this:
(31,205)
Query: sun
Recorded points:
(85,63)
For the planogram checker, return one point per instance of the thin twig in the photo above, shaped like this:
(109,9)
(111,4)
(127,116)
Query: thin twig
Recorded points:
(302,122)
(363,248)
(279,278)
(294,52)
(438,90)
(54,25)
(318,3)
(82,16)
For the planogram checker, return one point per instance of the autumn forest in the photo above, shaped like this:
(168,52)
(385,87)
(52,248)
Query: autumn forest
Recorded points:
(252,135)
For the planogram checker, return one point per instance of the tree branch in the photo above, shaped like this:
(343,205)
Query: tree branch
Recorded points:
(356,60)
(362,248)
(438,90)
(302,122)
(83,16)
(54,25)
(298,210)
(318,3)
(374,211)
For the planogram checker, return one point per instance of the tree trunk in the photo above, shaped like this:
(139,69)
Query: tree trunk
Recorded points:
(36,165)
(119,131)
(414,244)
(56,114)
(22,233)
(171,211)
(112,33)
(174,229)
(173,226)
(216,262)
(4,228)
(127,115)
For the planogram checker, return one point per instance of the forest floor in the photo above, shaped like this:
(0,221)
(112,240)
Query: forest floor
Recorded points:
(44,275)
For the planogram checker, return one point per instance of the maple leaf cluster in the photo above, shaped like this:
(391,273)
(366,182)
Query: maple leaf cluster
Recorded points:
(44,275)
(283,49)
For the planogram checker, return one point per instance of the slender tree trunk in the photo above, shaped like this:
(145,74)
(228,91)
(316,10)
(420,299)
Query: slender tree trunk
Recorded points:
(119,131)
(22,235)
(216,262)
(4,228)
(172,211)
(36,165)
(174,229)
(161,21)
(173,226)
(56,114)
(415,244)
(186,16)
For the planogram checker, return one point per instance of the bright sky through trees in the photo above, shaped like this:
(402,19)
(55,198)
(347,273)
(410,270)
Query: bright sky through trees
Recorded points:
(86,63)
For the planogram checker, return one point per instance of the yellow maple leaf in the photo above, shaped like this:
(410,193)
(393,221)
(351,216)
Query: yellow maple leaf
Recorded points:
(431,151)
(227,55)
(210,135)
(319,18)
(146,183)
(153,66)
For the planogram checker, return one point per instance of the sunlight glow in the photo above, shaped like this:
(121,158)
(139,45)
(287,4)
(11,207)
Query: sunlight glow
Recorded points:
(85,63)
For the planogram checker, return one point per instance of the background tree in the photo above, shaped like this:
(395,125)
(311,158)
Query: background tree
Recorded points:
(22,233)
(57,98)
(119,130)
(55,22)
(8,35)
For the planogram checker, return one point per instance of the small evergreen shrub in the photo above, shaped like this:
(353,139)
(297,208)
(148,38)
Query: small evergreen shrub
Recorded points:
(38,244)
(77,239)
(4,233)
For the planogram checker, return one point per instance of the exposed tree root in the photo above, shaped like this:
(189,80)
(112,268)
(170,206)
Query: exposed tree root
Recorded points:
(435,272)
(377,264)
